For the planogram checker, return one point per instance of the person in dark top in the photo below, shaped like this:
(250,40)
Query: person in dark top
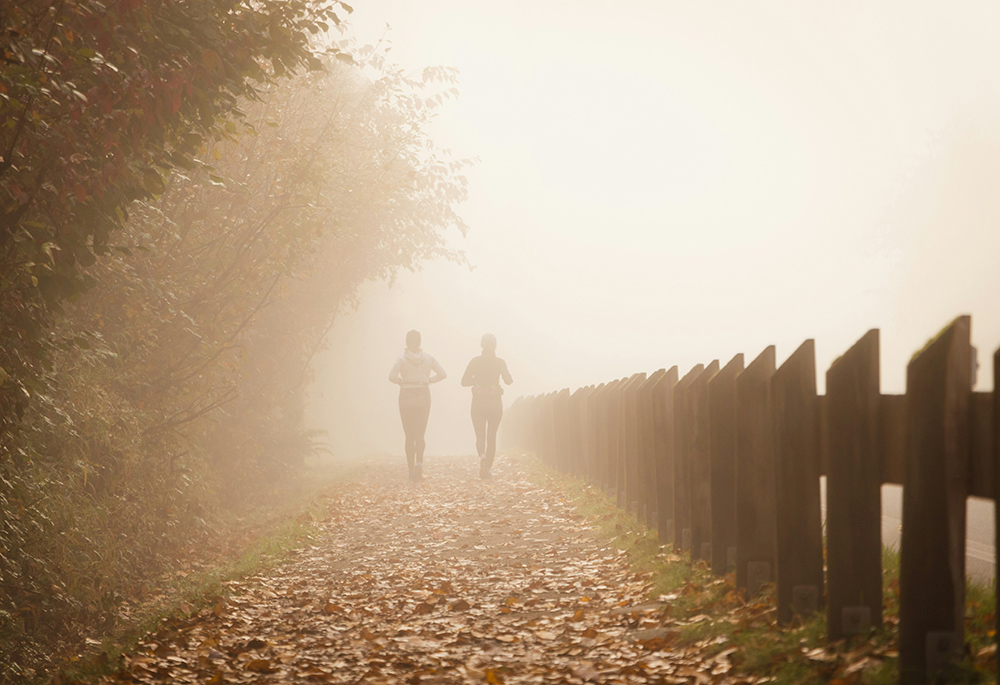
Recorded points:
(483,376)
(414,372)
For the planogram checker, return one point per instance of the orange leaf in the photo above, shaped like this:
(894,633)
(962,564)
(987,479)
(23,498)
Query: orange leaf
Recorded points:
(493,677)
(260,666)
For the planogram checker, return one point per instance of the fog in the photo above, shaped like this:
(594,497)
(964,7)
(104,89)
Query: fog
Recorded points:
(666,183)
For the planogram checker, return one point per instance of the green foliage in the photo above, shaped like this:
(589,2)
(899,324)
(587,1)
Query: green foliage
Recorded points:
(99,102)
(172,385)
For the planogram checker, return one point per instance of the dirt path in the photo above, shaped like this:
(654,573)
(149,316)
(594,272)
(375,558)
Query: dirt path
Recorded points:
(448,580)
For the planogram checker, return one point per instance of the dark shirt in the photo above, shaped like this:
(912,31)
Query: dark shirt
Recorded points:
(484,373)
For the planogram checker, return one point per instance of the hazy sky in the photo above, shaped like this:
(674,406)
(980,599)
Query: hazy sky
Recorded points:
(669,183)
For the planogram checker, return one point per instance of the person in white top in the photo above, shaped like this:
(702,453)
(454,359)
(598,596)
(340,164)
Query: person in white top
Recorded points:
(413,373)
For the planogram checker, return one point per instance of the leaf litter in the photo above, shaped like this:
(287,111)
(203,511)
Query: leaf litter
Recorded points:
(449,580)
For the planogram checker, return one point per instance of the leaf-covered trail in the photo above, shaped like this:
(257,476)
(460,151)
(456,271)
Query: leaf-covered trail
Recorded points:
(448,580)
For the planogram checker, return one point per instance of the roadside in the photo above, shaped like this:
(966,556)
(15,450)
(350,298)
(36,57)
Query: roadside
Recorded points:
(452,579)
(706,613)
(237,543)
(532,577)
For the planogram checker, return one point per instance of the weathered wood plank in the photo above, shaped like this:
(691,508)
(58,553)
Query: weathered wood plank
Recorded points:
(824,433)
(593,429)
(507,437)
(892,437)
(722,407)
(645,468)
(663,446)
(981,464)
(853,491)
(932,555)
(574,437)
(629,465)
(547,429)
(797,473)
(583,431)
(996,473)
(614,436)
(562,421)
(626,438)
(604,436)
(755,506)
(683,449)
(701,464)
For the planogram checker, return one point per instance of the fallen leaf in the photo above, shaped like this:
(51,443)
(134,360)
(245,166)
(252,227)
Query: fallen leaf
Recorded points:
(260,666)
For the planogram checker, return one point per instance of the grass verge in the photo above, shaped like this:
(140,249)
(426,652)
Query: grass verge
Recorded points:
(705,612)
(278,531)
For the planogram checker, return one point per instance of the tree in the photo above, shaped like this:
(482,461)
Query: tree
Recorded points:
(98,103)
(174,382)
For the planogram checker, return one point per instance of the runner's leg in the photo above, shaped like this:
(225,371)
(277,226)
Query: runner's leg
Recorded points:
(421,413)
(406,413)
(493,415)
(479,417)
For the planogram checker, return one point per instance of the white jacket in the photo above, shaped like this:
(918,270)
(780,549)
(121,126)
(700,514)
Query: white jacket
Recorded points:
(413,370)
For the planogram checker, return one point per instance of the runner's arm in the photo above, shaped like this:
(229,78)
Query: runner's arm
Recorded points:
(439,372)
(394,374)
(505,373)
(469,377)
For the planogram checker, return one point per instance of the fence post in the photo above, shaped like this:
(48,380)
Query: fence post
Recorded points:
(593,427)
(683,449)
(601,466)
(614,437)
(587,432)
(755,506)
(628,463)
(537,428)
(932,563)
(547,429)
(797,473)
(722,439)
(507,436)
(578,413)
(701,465)
(663,454)
(645,471)
(853,491)
(996,474)
(563,434)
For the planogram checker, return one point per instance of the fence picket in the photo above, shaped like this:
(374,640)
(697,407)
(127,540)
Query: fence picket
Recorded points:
(932,558)
(755,506)
(722,407)
(645,467)
(663,425)
(683,434)
(701,465)
(797,473)
(853,491)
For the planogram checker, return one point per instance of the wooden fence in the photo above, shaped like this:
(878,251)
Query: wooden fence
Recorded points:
(726,464)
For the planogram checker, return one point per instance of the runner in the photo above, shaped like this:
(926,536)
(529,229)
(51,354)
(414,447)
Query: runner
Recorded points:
(483,376)
(414,372)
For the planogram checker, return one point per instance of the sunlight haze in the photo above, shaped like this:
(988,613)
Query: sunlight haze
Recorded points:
(663,183)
